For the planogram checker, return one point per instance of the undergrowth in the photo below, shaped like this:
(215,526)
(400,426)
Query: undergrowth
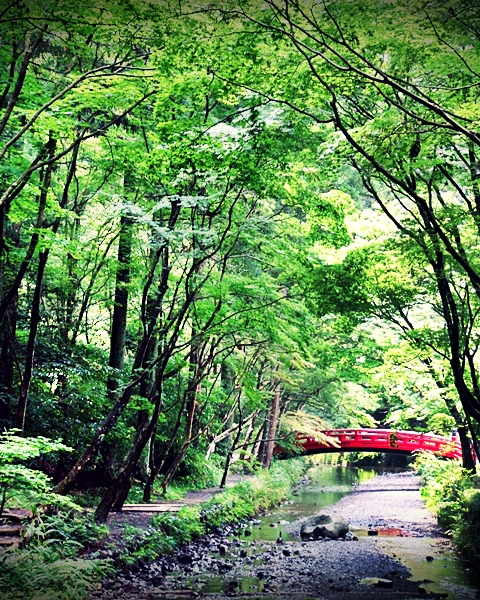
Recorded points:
(453,495)
(247,498)
(49,567)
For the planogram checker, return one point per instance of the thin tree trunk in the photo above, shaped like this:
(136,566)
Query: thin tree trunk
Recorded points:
(36,302)
(192,391)
(272,426)
(259,441)
(118,490)
(32,336)
(468,459)
(120,310)
(248,435)
(191,410)
(155,470)
(118,333)
(233,447)
(8,327)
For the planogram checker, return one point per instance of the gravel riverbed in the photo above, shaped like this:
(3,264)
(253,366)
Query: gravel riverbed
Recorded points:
(322,569)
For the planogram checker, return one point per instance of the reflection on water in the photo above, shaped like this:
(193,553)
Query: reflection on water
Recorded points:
(327,486)
(444,573)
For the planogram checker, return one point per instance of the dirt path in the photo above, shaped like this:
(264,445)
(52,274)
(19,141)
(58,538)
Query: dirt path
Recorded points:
(328,570)
(141,514)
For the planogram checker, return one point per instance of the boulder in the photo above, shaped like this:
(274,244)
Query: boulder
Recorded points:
(324,526)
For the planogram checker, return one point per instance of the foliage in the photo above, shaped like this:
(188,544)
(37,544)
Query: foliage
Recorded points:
(453,495)
(168,531)
(142,545)
(43,573)
(214,209)
(21,485)
(199,473)
(69,533)
(466,533)
(48,566)
(266,490)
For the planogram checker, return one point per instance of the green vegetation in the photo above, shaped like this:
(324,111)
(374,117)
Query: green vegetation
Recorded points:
(266,490)
(21,485)
(43,573)
(49,564)
(454,496)
(215,223)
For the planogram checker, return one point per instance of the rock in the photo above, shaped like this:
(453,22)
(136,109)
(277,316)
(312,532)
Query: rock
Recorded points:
(429,558)
(384,583)
(185,559)
(261,574)
(243,553)
(286,552)
(372,532)
(225,566)
(324,526)
(247,532)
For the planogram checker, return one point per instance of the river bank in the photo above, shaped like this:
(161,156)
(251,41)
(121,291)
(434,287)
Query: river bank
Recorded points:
(257,561)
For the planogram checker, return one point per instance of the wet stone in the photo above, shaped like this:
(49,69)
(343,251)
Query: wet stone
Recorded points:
(384,583)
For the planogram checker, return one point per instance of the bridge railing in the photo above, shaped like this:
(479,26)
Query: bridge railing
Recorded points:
(383,440)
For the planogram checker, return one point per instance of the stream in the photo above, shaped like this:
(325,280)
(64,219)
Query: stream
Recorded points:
(444,575)
(396,550)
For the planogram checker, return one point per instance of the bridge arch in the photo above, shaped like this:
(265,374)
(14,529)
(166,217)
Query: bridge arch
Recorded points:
(378,440)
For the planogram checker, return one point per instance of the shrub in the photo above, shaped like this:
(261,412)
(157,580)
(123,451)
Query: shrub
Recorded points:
(466,534)
(247,498)
(68,533)
(445,483)
(48,568)
(19,483)
(44,574)
(144,545)
(234,504)
(185,526)
(451,493)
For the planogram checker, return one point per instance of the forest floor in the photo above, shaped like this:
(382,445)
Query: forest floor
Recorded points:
(328,570)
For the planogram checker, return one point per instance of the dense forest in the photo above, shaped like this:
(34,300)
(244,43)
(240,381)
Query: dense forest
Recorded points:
(223,222)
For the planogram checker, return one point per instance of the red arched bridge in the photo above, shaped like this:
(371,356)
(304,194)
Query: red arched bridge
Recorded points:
(379,440)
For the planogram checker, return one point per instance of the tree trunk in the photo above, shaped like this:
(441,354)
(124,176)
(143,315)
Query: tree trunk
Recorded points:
(272,427)
(120,310)
(117,334)
(468,459)
(192,395)
(8,326)
(110,421)
(259,444)
(231,451)
(32,337)
(157,467)
(36,301)
(118,491)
